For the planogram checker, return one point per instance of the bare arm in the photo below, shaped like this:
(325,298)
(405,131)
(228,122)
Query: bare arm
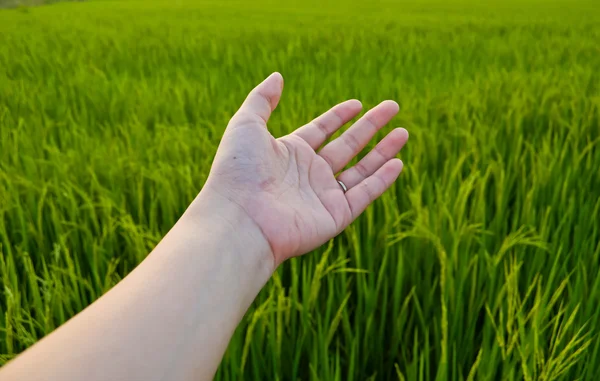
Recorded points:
(265,200)
(171,318)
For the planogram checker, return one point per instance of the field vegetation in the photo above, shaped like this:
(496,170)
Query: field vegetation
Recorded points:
(481,263)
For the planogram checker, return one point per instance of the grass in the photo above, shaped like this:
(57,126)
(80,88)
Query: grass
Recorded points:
(23,4)
(481,263)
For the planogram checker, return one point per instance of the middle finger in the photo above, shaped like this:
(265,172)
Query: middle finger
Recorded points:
(340,151)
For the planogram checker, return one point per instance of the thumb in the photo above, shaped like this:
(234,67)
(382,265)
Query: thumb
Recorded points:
(263,99)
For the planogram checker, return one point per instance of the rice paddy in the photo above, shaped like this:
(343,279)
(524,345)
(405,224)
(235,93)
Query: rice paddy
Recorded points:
(482,261)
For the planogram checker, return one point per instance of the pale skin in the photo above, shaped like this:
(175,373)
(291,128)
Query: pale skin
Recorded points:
(265,200)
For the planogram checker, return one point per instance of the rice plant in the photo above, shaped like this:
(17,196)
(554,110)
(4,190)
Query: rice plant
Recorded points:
(481,263)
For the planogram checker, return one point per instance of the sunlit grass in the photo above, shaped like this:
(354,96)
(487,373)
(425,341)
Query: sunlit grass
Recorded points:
(481,263)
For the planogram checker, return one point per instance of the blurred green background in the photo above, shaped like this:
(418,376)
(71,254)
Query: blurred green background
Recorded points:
(480,263)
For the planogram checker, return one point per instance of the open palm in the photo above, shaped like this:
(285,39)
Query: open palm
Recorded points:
(287,187)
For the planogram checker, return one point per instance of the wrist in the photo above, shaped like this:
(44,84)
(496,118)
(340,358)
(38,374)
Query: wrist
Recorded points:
(214,217)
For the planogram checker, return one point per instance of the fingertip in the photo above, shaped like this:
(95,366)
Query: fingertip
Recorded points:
(395,140)
(264,97)
(276,76)
(394,168)
(355,103)
(392,104)
(402,133)
(397,164)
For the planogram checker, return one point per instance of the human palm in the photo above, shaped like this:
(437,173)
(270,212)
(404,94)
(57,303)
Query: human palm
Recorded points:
(287,187)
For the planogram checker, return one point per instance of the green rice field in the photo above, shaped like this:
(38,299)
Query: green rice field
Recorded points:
(482,262)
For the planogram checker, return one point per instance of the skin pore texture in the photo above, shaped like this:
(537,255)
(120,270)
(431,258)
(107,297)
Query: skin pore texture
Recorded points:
(265,200)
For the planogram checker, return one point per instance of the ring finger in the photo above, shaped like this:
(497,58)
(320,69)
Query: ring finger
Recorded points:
(384,151)
(340,151)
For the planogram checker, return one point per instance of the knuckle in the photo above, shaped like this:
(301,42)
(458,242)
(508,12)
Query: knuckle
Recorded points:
(361,169)
(378,151)
(268,98)
(321,126)
(245,118)
(368,190)
(327,160)
(371,123)
(336,114)
(351,141)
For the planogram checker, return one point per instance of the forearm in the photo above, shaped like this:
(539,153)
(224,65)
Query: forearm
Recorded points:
(172,317)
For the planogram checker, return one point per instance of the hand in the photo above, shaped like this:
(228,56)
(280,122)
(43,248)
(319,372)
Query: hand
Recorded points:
(265,200)
(287,188)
